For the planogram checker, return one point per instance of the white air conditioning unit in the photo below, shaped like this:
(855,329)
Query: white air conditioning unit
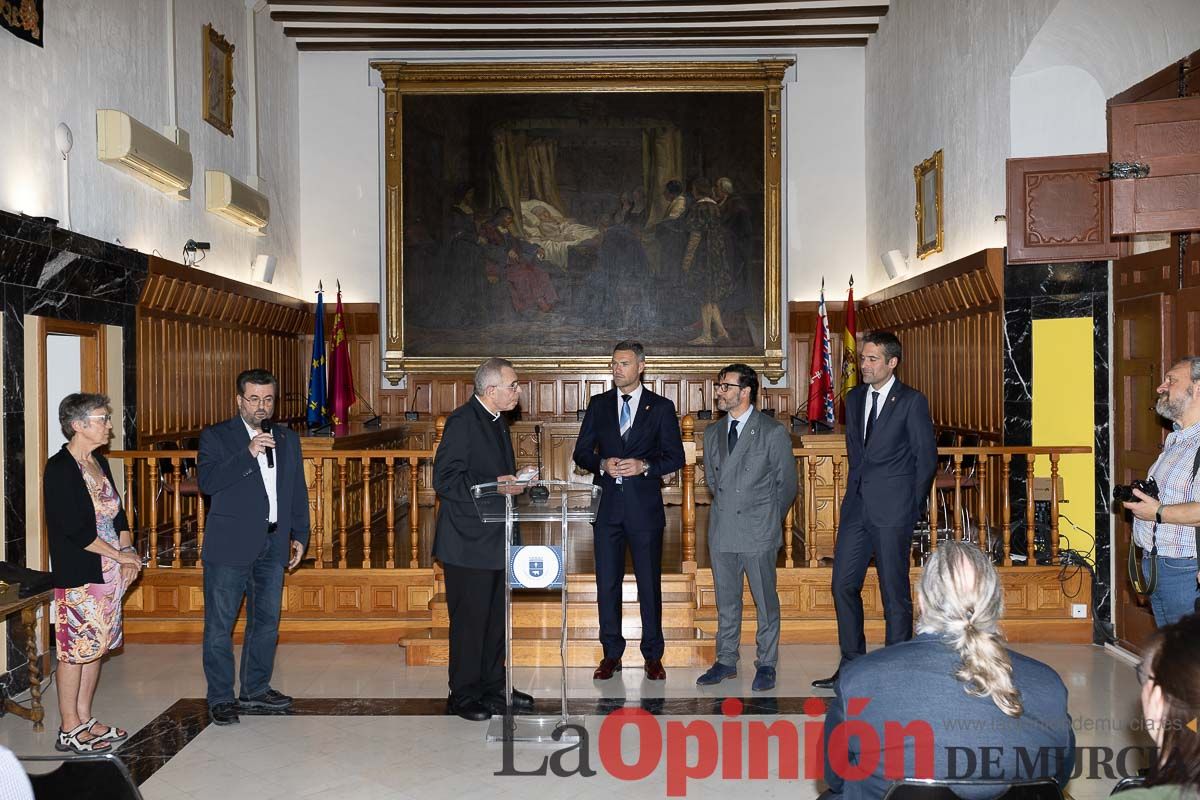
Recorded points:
(228,197)
(130,146)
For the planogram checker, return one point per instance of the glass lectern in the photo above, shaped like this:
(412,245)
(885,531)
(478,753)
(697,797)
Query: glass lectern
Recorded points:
(540,566)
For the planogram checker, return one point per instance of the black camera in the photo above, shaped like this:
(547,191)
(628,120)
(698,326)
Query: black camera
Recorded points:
(1124,494)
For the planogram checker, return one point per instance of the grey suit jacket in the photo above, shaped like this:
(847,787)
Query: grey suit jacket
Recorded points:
(752,488)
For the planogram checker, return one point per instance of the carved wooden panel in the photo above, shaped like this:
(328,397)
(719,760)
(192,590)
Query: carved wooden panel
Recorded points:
(950,321)
(1058,209)
(1165,136)
(195,332)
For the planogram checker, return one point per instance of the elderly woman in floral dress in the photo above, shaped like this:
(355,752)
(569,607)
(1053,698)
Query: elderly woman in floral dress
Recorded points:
(92,561)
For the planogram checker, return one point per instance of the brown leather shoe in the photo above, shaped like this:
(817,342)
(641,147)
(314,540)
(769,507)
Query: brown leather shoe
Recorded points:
(606,669)
(655,671)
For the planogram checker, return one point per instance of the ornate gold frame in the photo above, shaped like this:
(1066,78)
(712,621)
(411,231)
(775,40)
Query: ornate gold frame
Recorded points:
(933,164)
(211,41)
(400,78)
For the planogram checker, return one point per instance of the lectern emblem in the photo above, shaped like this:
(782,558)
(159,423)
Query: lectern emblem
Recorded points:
(536,566)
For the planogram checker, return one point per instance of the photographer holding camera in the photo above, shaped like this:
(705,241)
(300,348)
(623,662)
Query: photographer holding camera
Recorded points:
(1165,506)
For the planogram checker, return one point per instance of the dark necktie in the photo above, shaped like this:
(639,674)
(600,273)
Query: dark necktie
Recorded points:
(871,418)
(733,423)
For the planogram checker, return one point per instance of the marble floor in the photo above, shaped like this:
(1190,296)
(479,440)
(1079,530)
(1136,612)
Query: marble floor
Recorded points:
(367,726)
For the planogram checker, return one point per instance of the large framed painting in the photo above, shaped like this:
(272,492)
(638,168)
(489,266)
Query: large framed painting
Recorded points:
(543,212)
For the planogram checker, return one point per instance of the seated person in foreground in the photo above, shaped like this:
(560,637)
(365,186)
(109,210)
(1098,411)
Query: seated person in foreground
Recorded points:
(1170,678)
(953,703)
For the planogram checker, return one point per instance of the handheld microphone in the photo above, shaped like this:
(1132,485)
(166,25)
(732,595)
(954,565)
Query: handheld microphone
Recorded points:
(270,451)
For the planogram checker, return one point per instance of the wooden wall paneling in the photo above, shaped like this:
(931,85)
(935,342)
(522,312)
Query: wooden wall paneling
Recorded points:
(949,320)
(196,331)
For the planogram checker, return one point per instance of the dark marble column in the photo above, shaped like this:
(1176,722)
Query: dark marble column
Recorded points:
(49,272)
(1057,291)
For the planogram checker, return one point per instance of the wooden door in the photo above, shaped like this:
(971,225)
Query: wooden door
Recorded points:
(1058,209)
(90,379)
(1164,135)
(1144,346)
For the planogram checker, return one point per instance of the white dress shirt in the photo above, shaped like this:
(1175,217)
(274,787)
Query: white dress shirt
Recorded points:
(268,478)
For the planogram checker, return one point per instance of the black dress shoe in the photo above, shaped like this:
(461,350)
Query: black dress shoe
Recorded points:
(472,710)
(520,702)
(606,669)
(223,714)
(826,683)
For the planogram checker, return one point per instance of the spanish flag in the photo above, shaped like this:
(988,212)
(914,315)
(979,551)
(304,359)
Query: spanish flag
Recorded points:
(849,354)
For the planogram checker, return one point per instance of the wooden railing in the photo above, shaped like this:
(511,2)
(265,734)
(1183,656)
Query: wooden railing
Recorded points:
(359,492)
(357,496)
(823,473)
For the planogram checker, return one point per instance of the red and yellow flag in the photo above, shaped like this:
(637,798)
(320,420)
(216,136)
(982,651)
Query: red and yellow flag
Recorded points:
(849,354)
(341,379)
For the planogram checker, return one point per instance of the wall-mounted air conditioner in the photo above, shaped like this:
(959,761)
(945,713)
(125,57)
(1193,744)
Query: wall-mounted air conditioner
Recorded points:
(228,197)
(130,146)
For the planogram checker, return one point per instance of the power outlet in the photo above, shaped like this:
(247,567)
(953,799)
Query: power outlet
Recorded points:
(1079,611)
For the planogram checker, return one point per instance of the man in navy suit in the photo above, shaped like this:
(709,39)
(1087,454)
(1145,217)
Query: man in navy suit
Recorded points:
(629,439)
(257,527)
(476,448)
(893,456)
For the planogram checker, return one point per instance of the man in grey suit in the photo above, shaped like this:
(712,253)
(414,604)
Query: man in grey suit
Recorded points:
(751,473)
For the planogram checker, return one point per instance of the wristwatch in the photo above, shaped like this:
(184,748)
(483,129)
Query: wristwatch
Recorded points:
(645,467)
(1158,514)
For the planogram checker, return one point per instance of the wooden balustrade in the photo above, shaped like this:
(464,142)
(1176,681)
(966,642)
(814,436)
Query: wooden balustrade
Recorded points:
(355,515)
(818,501)
(371,490)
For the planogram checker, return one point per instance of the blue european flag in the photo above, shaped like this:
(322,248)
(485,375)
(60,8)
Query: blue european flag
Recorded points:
(318,412)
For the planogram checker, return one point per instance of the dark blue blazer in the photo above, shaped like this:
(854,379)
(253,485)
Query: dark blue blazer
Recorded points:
(236,526)
(654,437)
(914,680)
(474,449)
(895,470)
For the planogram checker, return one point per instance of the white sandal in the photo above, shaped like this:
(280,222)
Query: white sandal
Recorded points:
(69,740)
(113,734)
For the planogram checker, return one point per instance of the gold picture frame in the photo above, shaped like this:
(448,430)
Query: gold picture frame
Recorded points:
(408,159)
(217,80)
(928,178)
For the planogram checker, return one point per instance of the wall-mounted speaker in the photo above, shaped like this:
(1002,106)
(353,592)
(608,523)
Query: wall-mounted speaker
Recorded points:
(894,262)
(263,268)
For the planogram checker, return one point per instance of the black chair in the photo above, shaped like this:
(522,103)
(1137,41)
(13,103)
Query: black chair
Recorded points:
(930,789)
(95,776)
(1131,782)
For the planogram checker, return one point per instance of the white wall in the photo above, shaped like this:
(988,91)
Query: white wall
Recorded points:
(826,174)
(115,54)
(340,176)
(1057,111)
(937,77)
(1088,51)
(824,206)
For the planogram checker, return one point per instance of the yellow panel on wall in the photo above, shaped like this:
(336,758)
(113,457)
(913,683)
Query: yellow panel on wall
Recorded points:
(1064,414)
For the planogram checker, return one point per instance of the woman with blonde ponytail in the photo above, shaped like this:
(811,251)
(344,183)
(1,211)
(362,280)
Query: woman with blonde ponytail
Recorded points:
(968,707)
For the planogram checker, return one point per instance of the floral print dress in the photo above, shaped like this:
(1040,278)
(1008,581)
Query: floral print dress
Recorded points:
(88,617)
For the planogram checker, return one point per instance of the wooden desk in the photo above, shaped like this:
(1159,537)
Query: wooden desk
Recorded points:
(28,607)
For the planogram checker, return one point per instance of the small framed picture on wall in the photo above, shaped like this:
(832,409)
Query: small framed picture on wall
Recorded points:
(928,176)
(218,80)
